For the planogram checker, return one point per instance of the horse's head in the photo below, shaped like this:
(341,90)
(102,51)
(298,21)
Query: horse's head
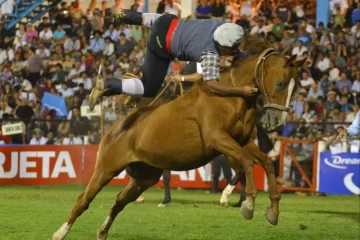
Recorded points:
(275,77)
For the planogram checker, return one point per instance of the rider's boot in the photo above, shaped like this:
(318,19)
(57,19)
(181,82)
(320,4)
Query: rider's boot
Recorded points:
(126,16)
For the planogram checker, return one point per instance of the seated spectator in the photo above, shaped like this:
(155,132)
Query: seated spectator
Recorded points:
(59,76)
(217,10)
(306,81)
(109,47)
(58,36)
(46,36)
(110,114)
(308,113)
(331,103)
(298,105)
(43,52)
(343,82)
(72,43)
(334,73)
(173,8)
(30,33)
(299,49)
(123,45)
(319,106)
(78,123)
(203,10)
(66,91)
(38,139)
(7,54)
(64,126)
(323,63)
(72,139)
(314,93)
(50,139)
(344,105)
(75,73)
(356,85)
(4,108)
(112,33)
(97,44)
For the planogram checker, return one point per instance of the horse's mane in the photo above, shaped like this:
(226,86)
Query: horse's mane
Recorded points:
(254,47)
(137,114)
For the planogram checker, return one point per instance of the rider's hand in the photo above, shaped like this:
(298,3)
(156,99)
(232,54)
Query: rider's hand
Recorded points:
(175,78)
(249,91)
(341,135)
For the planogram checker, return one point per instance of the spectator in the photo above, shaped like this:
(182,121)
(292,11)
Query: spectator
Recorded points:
(59,77)
(79,124)
(64,126)
(123,45)
(34,65)
(331,103)
(314,93)
(72,139)
(161,6)
(203,10)
(30,33)
(42,52)
(173,8)
(4,108)
(109,47)
(306,81)
(97,44)
(110,114)
(217,10)
(7,54)
(38,139)
(72,44)
(46,36)
(343,82)
(65,91)
(50,139)
(283,12)
(299,49)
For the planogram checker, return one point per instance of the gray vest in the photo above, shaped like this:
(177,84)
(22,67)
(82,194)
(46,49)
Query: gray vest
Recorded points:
(193,37)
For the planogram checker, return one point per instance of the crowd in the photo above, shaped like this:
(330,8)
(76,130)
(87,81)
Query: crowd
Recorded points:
(61,55)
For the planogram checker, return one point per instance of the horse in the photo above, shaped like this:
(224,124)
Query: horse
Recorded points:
(189,131)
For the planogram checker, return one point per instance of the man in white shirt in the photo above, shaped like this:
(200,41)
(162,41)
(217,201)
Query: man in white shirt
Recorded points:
(46,35)
(4,109)
(38,139)
(173,8)
(307,81)
(72,139)
(323,63)
(72,43)
(314,93)
(299,49)
(342,4)
(25,84)
(259,28)
(356,84)
(75,73)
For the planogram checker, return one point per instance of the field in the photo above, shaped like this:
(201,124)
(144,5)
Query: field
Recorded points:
(34,213)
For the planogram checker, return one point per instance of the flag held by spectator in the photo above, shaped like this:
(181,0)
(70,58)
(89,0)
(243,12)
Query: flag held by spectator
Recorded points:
(51,101)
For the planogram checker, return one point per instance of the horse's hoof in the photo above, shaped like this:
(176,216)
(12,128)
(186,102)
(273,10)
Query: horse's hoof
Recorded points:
(247,212)
(102,235)
(272,218)
(224,204)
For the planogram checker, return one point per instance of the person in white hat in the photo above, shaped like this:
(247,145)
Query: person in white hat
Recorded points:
(201,41)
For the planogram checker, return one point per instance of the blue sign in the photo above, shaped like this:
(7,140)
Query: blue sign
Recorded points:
(339,173)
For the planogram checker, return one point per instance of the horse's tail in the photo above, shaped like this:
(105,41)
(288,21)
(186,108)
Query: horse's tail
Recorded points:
(264,142)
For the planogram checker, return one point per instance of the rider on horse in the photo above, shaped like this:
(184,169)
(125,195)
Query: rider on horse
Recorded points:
(202,41)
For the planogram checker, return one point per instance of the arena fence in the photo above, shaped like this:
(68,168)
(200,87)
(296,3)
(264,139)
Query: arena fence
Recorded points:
(298,165)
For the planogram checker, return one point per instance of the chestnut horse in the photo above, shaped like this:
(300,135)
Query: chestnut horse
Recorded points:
(188,132)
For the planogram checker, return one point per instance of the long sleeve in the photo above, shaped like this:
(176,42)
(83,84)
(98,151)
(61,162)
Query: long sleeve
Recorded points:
(354,129)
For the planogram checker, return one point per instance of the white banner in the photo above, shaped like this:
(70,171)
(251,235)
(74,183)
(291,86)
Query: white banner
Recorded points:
(86,112)
(12,129)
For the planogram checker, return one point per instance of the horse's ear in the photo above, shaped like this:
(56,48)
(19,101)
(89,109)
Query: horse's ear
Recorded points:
(300,61)
(290,62)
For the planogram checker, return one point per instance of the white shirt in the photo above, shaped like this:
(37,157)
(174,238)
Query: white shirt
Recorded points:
(257,30)
(42,141)
(27,85)
(113,35)
(7,110)
(334,74)
(7,55)
(356,86)
(324,64)
(341,3)
(307,82)
(276,150)
(71,45)
(45,53)
(46,35)
(296,50)
(75,72)
(109,49)
(175,9)
(74,141)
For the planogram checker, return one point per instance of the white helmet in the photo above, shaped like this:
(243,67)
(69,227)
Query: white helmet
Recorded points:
(228,35)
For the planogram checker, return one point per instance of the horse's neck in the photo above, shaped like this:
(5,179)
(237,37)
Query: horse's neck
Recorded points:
(241,75)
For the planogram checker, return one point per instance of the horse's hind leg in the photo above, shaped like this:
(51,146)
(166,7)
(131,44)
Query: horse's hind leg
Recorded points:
(102,176)
(142,177)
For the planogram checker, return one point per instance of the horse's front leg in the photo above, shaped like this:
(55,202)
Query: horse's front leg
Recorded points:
(223,142)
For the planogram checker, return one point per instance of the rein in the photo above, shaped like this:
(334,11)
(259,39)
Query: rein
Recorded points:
(166,87)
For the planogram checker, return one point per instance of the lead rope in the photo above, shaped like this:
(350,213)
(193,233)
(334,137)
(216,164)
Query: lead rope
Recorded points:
(164,89)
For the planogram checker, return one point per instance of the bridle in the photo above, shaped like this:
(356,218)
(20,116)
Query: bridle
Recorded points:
(261,60)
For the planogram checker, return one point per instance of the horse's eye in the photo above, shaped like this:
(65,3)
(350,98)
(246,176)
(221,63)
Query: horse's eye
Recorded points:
(280,84)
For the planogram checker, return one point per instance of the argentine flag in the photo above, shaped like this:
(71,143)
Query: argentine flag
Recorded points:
(51,101)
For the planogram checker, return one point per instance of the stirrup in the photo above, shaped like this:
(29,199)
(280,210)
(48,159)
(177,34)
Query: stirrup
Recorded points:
(131,75)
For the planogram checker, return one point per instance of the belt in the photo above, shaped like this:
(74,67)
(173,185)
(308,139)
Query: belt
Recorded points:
(170,33)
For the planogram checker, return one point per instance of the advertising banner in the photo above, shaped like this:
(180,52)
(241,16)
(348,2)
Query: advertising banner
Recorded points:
(197,178)
(38,165)
(339,173)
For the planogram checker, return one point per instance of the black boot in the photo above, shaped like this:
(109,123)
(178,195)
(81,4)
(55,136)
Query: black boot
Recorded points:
(128,17)
(112,86)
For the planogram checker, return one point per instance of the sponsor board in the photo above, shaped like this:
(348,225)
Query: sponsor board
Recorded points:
(196,178)
(36,165)
(86,112)
(339,173)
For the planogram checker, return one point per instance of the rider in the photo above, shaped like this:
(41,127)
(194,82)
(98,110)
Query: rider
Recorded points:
(202,41)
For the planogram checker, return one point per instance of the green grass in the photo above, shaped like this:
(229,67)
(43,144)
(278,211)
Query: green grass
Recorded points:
(35,213)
